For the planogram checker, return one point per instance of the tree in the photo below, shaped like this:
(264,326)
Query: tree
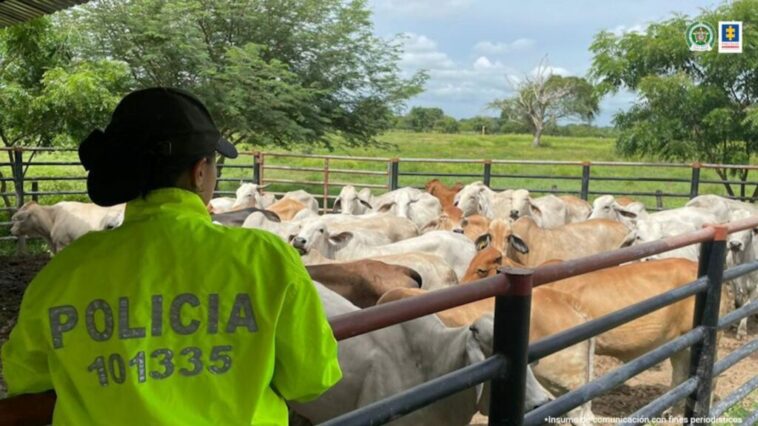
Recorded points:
(447,124)
(48,96)
(270,71)
(544,98)
(479,124)
(421,119)
(697,106)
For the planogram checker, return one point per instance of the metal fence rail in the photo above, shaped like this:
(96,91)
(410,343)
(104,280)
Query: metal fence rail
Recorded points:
(512,290)
(385,173)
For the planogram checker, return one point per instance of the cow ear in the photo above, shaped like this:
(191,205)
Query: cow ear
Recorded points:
(519,244)
(386,207)
(337,206)
(430,226)
(272,216)
(535,210)
(341,238)
(365,204)
(483,241)
(624,212)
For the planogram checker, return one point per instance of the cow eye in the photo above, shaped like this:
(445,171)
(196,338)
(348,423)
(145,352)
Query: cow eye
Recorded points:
(482,272)
(321,231)
(607,208)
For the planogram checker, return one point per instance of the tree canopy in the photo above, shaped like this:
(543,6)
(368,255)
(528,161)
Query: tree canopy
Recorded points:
(48,95)
(542,99)
(691,105)
(270,71)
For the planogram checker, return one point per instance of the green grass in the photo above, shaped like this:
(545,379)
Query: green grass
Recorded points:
(430,146)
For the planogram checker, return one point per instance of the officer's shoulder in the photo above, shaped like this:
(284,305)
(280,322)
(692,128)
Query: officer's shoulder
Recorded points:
(259,238)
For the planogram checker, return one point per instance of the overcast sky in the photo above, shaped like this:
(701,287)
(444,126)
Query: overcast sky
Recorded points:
(469,46)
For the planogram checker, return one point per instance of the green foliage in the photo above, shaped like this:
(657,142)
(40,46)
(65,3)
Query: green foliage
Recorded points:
(421,119)
(446,124)
(476,124)
(271,71)
(48,96)
(691,105)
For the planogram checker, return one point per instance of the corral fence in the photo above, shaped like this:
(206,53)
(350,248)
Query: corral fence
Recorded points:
(506,368)
(50,174)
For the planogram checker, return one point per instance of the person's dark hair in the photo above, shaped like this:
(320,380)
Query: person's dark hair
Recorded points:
(154,136)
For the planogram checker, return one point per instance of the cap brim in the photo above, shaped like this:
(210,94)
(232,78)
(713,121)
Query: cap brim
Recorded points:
(225,148)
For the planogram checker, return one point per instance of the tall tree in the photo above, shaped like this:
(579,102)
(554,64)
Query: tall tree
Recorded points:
(423,119)
(543,98)
(690,105)
(270,71)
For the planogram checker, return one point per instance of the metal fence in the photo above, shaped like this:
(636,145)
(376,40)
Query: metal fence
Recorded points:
(506,369)
(324,175)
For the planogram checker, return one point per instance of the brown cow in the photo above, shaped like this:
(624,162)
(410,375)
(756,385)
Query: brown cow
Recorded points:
(530,245)
(286,208)
(363,282)
(442,192)
(452,220)
(628,284)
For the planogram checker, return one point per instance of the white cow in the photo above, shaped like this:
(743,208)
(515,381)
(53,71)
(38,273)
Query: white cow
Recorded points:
(252,195)
(456,249)
(549,211)
(285,230)
(606,207)
(63,222)
(669,223)
(477,198)
(221,204)
(741,249)
(385,362)
(353,202)
(419,207)
(318,235)
(394,227)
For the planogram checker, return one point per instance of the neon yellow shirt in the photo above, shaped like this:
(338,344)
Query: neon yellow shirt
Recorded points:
(172,320)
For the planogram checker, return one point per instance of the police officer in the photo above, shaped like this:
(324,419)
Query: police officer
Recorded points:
(169,319)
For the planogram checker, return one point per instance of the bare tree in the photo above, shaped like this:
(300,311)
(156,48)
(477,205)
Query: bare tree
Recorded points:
(543,98)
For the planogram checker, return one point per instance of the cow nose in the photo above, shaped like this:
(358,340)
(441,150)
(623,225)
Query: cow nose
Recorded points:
(735,245)
(458,230)
(514,214)
(298,242)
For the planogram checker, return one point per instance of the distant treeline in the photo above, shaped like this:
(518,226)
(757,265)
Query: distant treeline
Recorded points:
(420,119)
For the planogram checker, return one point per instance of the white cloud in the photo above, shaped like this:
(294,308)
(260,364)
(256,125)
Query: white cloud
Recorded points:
(489,48)
(420,52)
(424,8)
(624,29)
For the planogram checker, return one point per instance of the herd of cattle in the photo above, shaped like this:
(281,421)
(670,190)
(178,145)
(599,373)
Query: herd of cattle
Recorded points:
(377,249)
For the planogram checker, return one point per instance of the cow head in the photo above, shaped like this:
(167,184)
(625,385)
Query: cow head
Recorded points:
(351,202)
(249,195)
(484,264)
(25,221)
(316,236)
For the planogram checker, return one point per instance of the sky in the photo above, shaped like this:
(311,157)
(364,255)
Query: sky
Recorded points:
(474,50)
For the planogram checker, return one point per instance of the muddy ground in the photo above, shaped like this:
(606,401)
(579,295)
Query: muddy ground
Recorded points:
(16,272)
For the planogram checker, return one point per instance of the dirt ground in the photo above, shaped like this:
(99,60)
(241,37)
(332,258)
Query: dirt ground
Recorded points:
(16,272)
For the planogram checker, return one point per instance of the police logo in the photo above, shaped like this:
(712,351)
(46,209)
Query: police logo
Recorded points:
(701,37)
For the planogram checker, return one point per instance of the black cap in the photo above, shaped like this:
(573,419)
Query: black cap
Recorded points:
(160,124)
